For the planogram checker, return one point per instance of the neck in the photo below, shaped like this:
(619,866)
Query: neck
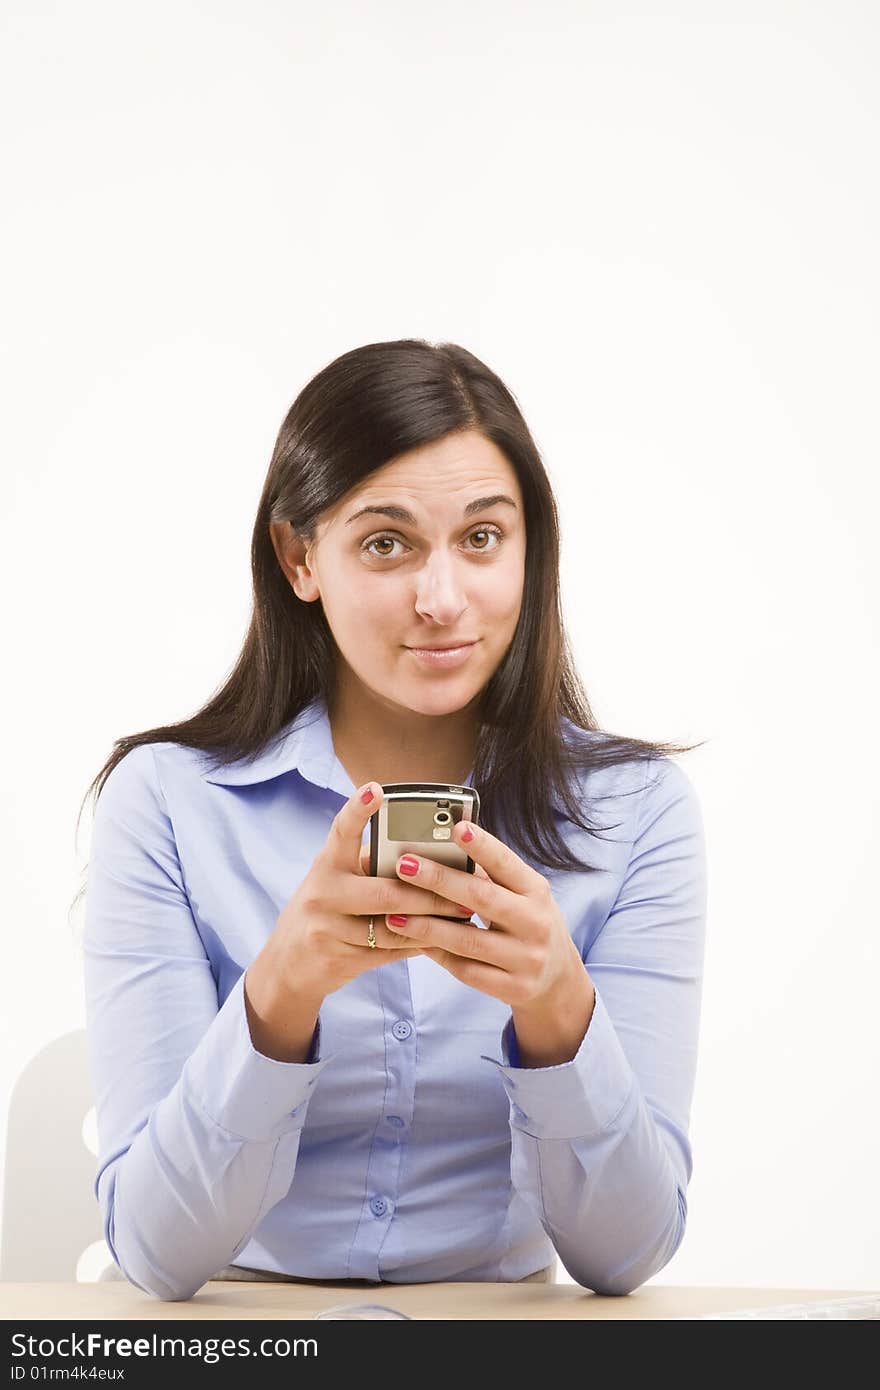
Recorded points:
(377,740)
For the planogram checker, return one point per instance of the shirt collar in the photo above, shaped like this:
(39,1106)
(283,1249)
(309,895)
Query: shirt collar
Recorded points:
(305,745)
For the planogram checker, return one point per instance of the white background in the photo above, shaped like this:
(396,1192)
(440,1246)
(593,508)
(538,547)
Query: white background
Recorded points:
(659,224)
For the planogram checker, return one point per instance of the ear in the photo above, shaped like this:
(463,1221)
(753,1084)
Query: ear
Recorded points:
(294,555)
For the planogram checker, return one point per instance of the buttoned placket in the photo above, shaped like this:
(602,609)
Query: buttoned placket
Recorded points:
(395,1022)
(395,1018)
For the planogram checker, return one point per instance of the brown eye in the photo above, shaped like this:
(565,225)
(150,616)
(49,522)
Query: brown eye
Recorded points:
(368,545)
(487,531)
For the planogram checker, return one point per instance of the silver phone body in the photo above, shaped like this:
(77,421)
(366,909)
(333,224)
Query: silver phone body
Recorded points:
(417,818)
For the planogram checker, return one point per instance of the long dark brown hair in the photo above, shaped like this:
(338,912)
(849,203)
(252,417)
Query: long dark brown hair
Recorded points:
(358,413)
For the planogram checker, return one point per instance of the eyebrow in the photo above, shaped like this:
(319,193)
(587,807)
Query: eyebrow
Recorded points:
(396,513)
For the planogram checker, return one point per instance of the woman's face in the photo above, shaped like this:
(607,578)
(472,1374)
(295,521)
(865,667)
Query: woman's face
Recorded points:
(450,572)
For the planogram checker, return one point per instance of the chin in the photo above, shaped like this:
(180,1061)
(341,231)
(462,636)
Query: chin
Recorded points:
(431,698)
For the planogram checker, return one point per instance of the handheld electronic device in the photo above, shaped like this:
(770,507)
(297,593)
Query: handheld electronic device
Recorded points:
(417,818)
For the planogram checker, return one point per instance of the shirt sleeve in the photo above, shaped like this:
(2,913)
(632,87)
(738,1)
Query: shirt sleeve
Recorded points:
(198,1133)
(599,1145)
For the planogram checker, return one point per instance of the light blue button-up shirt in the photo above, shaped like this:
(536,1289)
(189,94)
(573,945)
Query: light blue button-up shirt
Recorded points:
(411,1146)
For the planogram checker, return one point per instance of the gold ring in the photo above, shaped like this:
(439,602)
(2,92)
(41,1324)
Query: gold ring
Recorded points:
(371,939)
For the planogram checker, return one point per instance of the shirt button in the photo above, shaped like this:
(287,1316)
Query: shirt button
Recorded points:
(378,1206)
(402,1029)
(396,1121)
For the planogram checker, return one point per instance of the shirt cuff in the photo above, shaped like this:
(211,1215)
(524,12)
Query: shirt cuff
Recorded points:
(252,1096)
(574,1100)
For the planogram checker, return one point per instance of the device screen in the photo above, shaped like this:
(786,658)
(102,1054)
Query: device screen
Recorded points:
(422,820)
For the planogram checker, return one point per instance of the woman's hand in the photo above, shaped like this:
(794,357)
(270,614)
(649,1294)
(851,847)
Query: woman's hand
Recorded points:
(320,939)
(526,958)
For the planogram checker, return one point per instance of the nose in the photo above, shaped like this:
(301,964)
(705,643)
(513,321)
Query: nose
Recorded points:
(439,592)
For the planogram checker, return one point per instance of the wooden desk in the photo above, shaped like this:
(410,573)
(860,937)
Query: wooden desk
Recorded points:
(220,1299)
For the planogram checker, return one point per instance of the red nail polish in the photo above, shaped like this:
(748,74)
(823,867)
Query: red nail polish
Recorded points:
(409,865)
(467,834)
(367,796)
(396,920)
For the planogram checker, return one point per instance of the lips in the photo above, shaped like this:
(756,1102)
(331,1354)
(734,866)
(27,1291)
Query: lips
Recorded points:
(447,647)
(442,658)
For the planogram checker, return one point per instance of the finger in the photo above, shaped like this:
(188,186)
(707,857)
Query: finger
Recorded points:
(344,839)
(503,865)
(477,891)
(433,905)
(463,939)
(357,930)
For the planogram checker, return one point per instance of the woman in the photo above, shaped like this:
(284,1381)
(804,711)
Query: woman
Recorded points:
(305,1072)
